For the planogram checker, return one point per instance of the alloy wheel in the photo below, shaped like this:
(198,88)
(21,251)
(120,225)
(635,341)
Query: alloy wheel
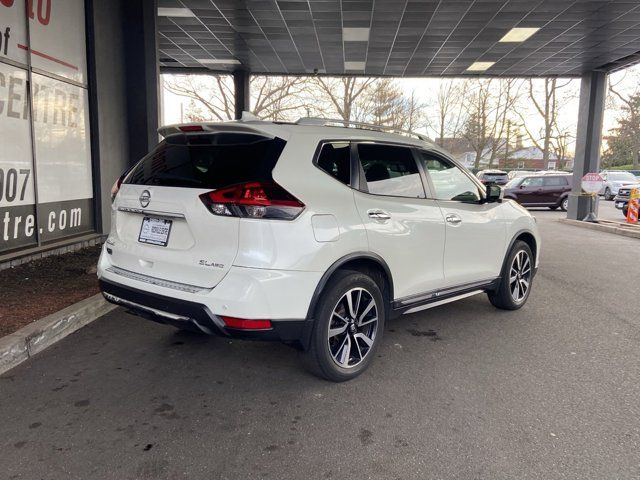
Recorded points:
(520,276)
(352,328)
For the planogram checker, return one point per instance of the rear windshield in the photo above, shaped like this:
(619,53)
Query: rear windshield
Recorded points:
(495,176)
(208,161)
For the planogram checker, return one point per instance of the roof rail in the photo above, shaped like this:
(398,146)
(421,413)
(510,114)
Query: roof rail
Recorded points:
(362,125)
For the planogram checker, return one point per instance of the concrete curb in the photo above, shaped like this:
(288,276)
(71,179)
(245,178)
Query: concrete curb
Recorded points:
(35,337)
(604,226)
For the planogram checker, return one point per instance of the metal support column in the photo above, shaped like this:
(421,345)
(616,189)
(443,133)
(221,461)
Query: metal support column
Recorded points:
(593,91)
(142,75)
(242,99)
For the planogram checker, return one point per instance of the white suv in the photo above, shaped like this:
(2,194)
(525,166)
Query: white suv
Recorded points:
(308,234)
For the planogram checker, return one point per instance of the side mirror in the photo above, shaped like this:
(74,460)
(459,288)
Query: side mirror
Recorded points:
(494,193)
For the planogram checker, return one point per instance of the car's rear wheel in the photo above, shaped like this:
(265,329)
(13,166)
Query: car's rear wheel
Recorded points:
(516,279)
(349,321)
(564,204)
(607,194)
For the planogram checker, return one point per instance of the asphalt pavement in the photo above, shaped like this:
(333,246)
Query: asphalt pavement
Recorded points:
(608,211)
(462,391)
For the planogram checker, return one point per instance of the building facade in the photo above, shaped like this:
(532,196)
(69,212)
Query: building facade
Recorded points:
(67,119)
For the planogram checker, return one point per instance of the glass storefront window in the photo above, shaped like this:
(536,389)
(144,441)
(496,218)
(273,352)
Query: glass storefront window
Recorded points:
(46,186)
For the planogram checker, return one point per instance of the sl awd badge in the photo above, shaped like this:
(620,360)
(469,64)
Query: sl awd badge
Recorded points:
(145,198)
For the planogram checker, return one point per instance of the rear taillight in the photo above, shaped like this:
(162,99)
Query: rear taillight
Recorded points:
(116,187)
(245,324)
(253,200)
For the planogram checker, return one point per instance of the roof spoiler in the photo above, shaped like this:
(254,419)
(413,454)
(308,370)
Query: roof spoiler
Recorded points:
(232,126)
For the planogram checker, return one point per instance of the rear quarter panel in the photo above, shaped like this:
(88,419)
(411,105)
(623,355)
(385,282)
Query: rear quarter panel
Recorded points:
(293,245)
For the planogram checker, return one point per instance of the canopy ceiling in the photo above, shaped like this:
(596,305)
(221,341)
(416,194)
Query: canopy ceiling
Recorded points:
(398,37)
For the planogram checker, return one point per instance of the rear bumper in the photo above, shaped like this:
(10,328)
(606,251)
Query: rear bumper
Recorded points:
(620,202)
(243,292)
(198,317)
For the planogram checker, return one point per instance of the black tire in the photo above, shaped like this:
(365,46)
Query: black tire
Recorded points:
(503,297)
(319,358)
(554,207)
(564,204)
(607,194)
(625,211)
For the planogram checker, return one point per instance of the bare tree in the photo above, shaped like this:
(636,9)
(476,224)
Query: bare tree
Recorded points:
(448,113)
(477,130)
(279,98)
(561,145)
(489,107)
(414,117)
(506,97)
(382,104)
(212,96)
(342,95)
(547,103)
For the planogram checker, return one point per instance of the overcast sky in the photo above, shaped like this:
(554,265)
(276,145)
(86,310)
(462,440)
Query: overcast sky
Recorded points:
(625,81)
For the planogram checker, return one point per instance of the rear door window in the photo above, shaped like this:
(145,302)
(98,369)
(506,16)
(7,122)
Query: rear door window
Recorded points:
(208,161)
(335,159)
(555,182)
(532,182)
(390,170)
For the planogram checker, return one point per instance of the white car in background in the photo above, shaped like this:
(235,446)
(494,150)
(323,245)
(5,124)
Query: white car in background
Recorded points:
(308,234)
(613,180)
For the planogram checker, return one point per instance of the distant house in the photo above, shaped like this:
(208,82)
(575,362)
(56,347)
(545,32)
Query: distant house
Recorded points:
(530,158)
(519,157)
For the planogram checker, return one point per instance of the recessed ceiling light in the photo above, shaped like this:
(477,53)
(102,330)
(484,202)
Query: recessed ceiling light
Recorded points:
(354,65)
(479,66)
(218,61)
(518,34)
(174,12)
(350,34)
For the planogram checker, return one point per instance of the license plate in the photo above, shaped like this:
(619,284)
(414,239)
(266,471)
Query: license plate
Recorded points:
(155,231)
(619,205)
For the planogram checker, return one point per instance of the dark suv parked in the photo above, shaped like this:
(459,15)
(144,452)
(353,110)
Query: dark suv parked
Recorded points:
(540,190)
(497,177)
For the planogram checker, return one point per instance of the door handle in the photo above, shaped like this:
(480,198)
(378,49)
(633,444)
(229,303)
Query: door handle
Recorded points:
(453,219)
(378,214)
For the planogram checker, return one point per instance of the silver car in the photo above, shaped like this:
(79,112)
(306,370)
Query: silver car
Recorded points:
(613,180)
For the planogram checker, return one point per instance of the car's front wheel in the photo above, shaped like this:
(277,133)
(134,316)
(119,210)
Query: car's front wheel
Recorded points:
(349,321)
(607,194)
(516,279)
(564,204)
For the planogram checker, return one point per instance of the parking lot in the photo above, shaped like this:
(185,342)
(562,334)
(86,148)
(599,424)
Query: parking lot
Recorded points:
(460,391)
(607,211)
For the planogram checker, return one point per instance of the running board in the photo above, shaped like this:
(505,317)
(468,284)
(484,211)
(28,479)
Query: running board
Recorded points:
(442,302)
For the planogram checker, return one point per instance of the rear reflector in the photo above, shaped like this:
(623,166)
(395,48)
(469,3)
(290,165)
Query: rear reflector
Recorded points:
(191,128)
(244,324)
(253,200)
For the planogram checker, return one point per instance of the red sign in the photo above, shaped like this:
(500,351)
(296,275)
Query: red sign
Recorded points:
(592,183)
